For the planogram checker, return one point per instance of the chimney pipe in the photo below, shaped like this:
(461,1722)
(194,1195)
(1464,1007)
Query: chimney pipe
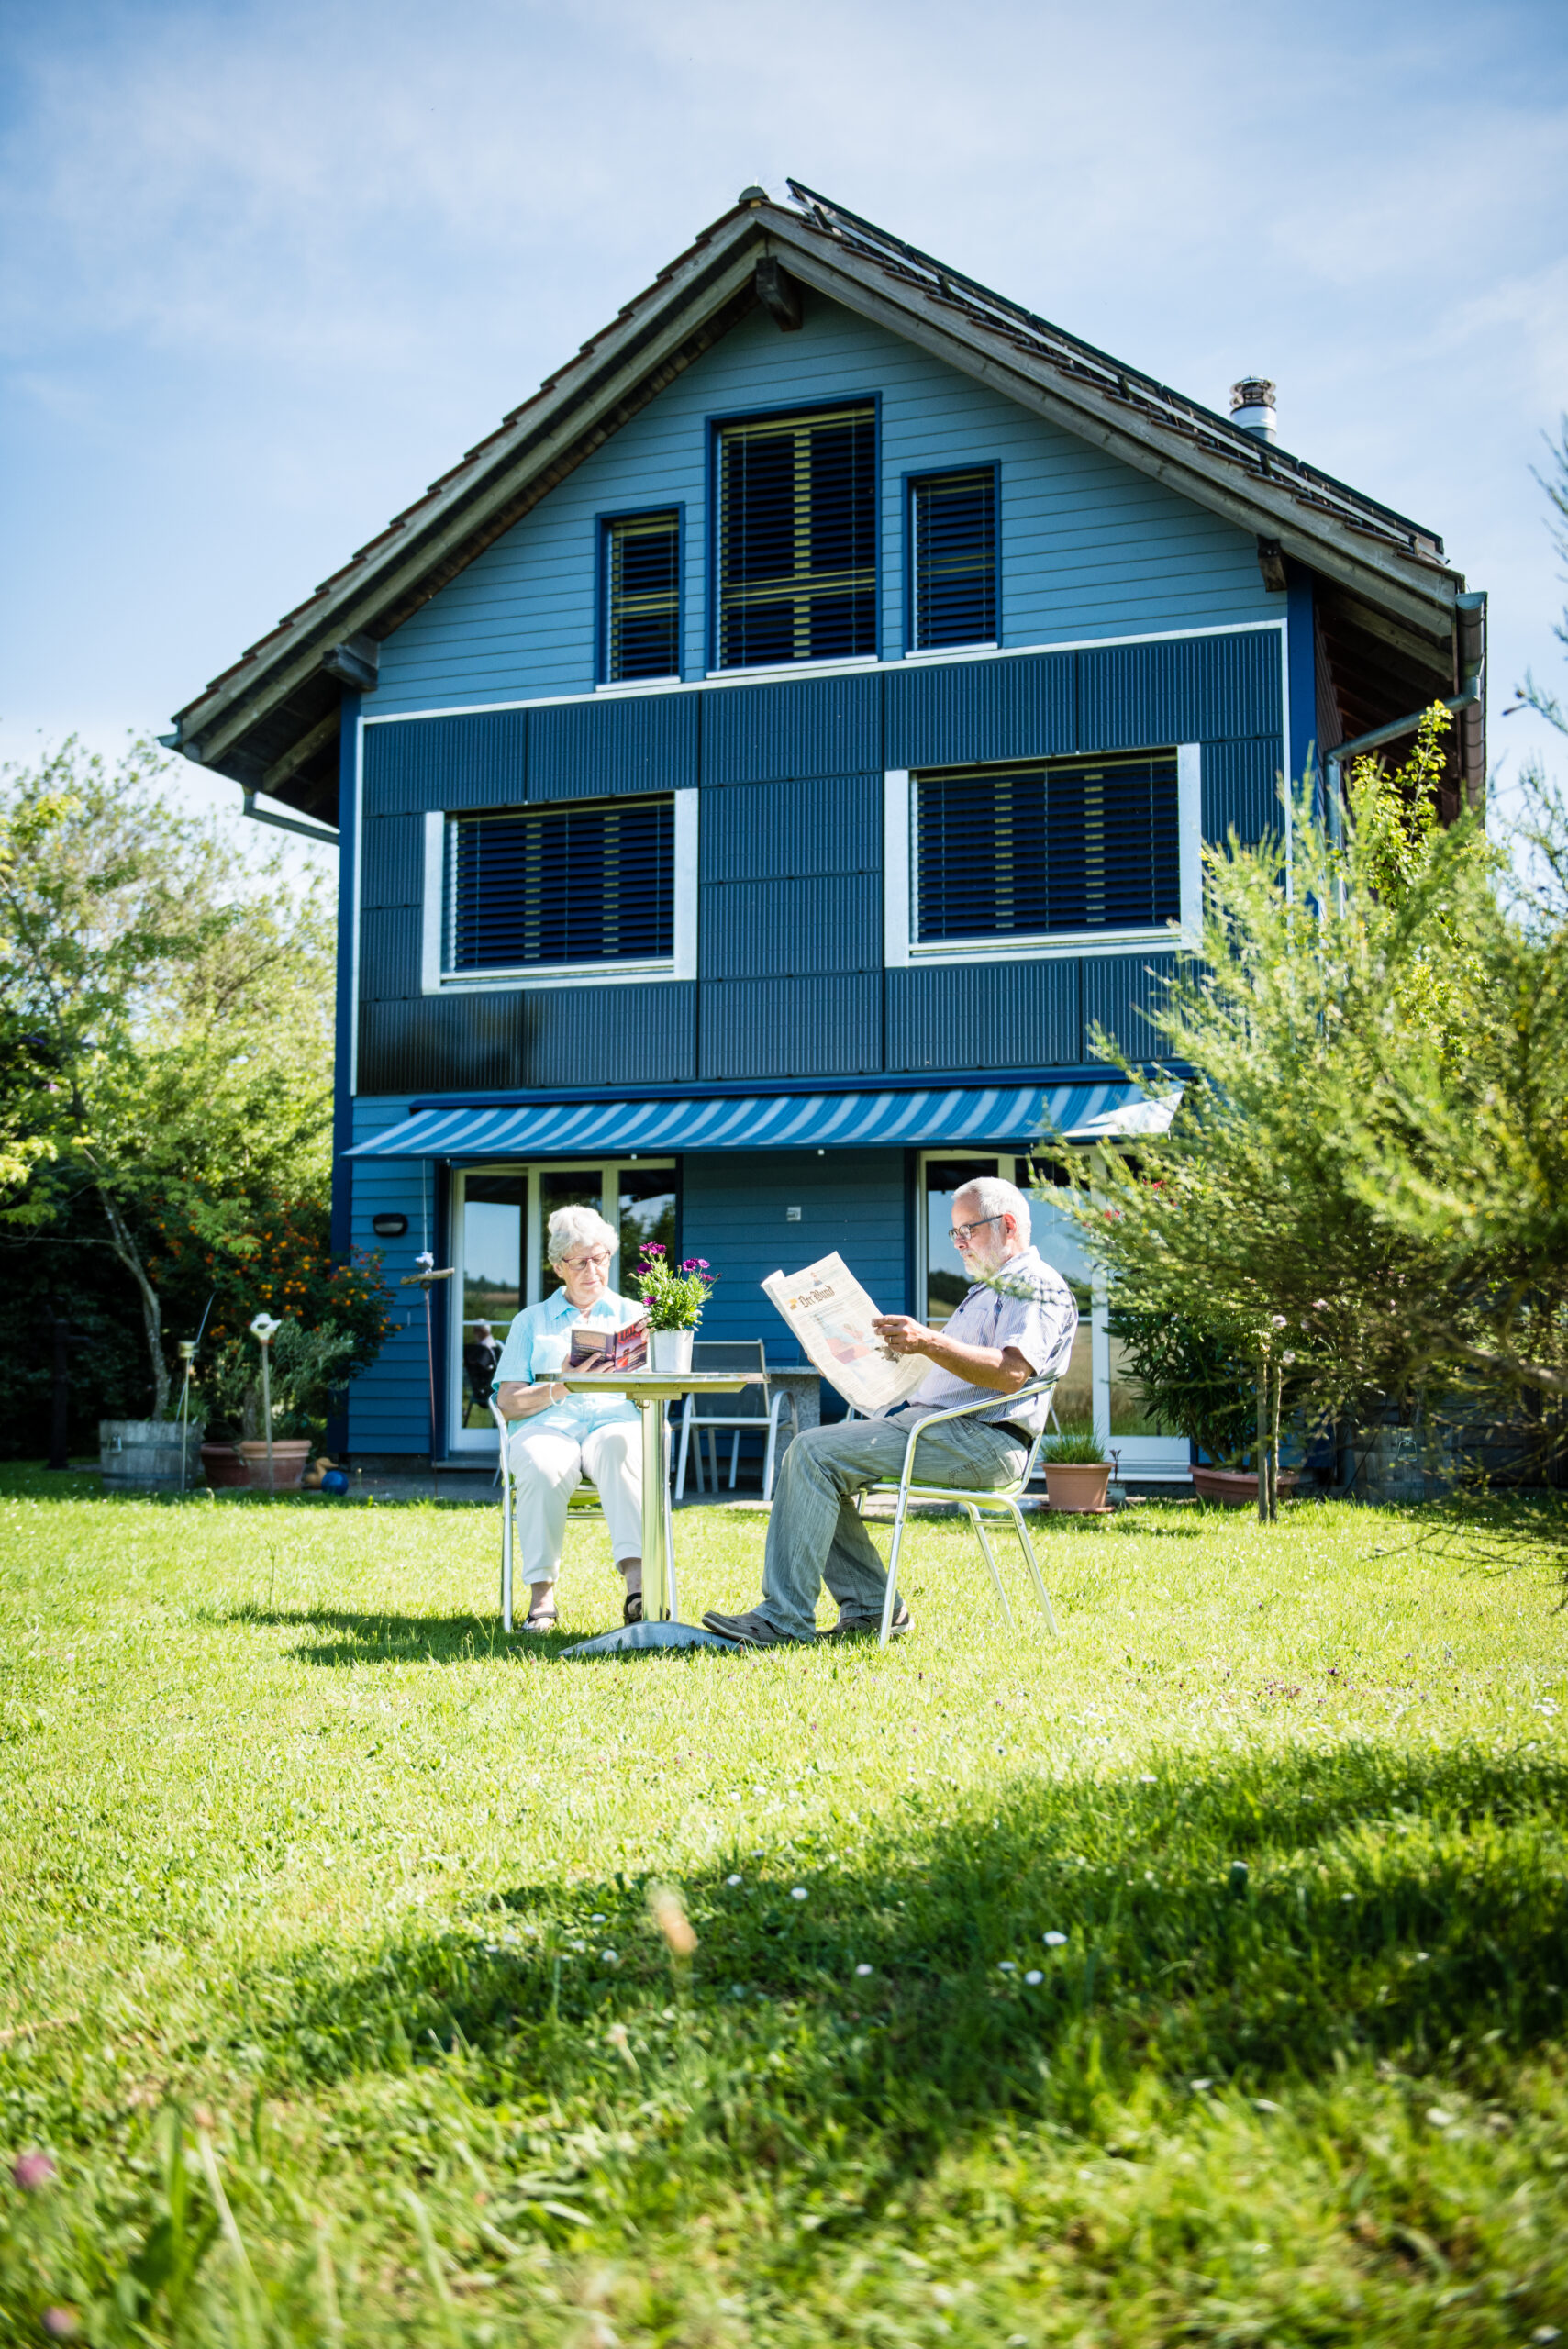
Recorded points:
(1253,407)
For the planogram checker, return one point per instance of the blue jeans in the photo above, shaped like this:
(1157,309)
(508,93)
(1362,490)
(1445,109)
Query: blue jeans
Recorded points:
(815,1533)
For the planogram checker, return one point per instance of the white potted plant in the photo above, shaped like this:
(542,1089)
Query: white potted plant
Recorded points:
(675,1296)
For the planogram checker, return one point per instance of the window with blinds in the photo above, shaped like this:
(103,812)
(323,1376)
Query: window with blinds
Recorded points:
(642,597)
(1079,844)
(562,884)
(798,537)
(952,527)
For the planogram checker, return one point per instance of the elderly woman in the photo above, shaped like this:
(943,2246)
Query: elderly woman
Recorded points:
(562,1438)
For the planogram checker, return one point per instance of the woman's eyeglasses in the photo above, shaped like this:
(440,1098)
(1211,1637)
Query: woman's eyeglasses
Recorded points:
(598,1257)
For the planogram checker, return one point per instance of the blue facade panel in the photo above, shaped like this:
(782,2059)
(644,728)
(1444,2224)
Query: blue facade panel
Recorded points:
(951,713)
(478,761)
(800,1027)
(389,953)
(1240,790)
(1195,689)
(1119,990)
(392,861)
(985,1015)
(776,733)
(586,749)
(801,929)
(788,831)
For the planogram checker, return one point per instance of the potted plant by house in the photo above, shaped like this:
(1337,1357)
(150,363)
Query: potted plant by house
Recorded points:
(1199,1381)
(1076,1473)
(676,1295)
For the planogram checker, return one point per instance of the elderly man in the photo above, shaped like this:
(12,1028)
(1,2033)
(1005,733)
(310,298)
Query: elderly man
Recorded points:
(1014,1326)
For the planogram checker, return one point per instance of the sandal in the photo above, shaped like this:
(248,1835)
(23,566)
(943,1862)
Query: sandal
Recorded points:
(540,1620)
(632,1612)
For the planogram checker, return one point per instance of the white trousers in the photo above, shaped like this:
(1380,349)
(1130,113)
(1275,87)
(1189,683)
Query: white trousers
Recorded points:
(548,1466)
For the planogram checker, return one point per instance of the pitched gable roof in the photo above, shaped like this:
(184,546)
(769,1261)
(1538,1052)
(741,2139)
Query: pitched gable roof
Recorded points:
(270,721)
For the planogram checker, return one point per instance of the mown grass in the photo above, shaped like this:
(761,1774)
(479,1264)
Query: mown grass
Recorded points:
(329,1981)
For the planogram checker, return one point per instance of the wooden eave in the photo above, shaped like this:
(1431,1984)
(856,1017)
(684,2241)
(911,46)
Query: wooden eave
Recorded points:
(268,722)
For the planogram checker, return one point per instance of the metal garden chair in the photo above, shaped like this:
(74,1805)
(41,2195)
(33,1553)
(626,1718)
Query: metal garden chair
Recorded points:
(1003,1499)
(584,1502)
(753,1409)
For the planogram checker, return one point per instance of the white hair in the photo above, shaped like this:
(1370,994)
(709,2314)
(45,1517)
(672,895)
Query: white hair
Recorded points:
(993,1197)
(577,1228)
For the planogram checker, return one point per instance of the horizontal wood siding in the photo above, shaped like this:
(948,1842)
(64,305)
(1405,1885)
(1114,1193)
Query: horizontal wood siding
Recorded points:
(985,1015)
(389,1408)
(1118,992)
(1087,546)
(733,1212)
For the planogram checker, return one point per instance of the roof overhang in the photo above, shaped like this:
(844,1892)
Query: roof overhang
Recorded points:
(270,722)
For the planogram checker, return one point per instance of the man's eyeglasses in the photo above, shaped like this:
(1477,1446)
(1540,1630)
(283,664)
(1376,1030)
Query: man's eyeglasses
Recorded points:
(958,1231)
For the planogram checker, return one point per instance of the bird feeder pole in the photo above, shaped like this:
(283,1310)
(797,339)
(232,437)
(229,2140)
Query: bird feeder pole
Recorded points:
(264,1328)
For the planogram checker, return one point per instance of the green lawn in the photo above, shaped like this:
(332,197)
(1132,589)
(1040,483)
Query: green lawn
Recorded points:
(1197,1977)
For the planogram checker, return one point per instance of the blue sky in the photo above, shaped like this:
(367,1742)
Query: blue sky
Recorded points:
(267,270)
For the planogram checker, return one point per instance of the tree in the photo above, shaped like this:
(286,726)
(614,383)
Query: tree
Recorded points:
(165,1035)
(1261,1219)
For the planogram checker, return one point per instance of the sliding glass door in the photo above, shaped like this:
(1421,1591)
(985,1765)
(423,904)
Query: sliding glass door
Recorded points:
(500,1219)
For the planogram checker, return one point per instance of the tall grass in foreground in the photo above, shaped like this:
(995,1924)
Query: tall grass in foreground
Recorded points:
(1197,2037)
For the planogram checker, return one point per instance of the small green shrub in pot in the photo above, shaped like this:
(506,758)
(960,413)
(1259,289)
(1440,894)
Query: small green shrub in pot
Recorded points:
(1074,1448)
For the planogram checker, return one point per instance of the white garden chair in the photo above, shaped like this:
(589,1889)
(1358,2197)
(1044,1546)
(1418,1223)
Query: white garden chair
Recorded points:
(1002,1499)
(754,1410)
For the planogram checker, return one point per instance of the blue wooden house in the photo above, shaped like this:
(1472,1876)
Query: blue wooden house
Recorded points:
(761,766)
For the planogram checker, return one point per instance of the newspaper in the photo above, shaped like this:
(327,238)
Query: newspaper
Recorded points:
(594,1349)
(832,1317)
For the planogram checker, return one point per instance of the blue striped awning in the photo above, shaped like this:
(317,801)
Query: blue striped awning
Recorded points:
(990,1115)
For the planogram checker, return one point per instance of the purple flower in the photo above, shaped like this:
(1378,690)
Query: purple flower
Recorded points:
(61,2324)
(33,2171)
(652,1248)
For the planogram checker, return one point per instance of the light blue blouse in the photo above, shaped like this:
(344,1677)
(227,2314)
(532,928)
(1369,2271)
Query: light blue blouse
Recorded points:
(537,1344)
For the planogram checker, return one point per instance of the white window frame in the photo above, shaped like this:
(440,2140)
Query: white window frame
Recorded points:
(1148,1459)
(680,964)
(461,1439)
(901,850)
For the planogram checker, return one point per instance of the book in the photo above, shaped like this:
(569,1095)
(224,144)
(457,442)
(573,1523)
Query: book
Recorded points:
(832,1317)
(594,1349)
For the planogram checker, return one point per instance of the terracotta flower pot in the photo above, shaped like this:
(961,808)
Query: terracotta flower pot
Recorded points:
(1073,1486)
(1237,1487)
(223,1467)
(289,1456)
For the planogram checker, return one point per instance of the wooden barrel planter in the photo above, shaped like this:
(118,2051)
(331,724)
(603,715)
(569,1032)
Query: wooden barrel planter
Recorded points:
(148,1456)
